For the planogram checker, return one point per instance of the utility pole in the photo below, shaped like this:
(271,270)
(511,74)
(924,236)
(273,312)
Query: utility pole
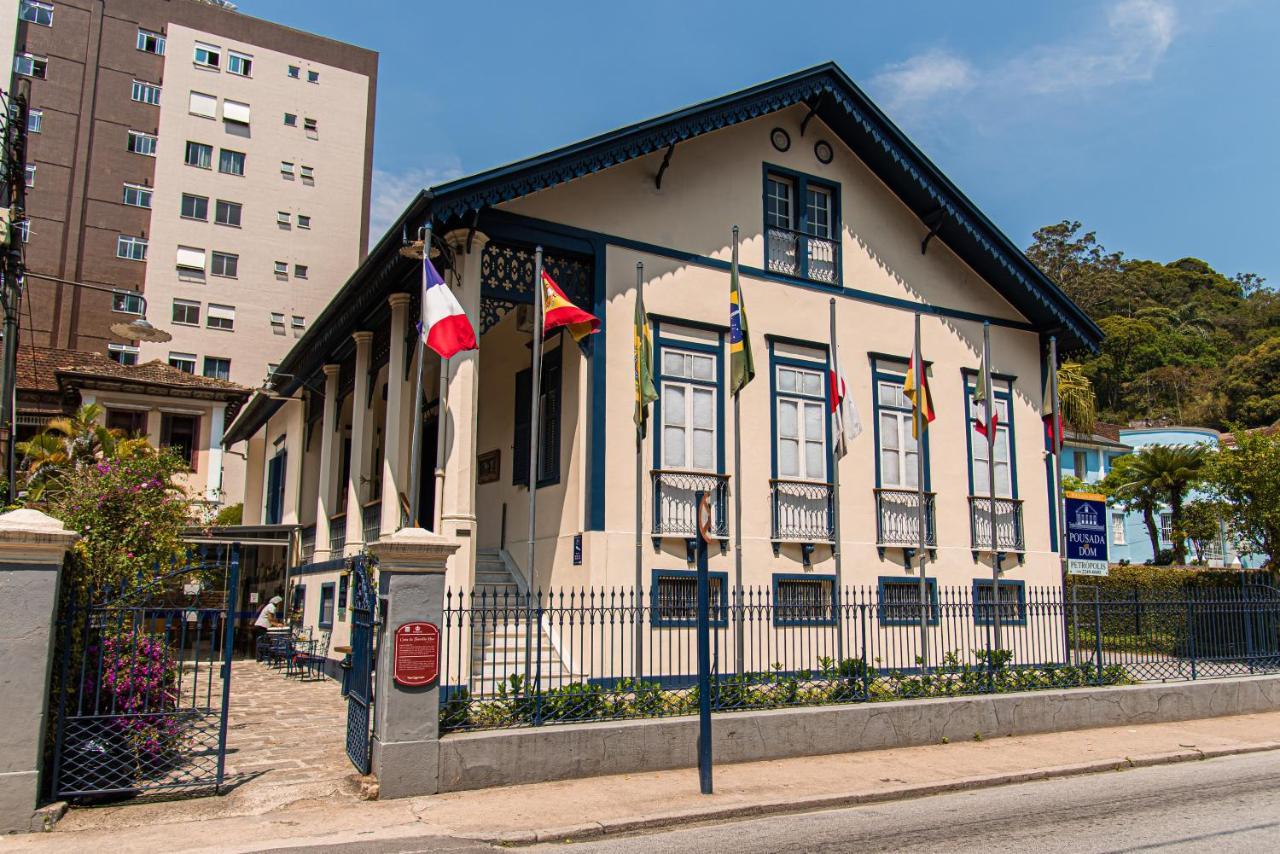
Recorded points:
(13,198)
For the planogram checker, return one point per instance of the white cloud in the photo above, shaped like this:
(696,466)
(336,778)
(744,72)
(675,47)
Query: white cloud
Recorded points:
(1129,46)
(392,192)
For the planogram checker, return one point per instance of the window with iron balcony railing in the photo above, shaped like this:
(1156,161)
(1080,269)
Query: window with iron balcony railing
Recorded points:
(1008,522)
(801,228)
(801,511)
(675,510)
(898,518)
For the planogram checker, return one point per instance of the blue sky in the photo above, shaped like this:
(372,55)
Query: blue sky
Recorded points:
(1154,122)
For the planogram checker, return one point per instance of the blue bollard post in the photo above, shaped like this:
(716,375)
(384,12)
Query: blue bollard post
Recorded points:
(704,646)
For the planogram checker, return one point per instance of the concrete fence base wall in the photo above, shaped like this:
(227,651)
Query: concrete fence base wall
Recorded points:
(510,757)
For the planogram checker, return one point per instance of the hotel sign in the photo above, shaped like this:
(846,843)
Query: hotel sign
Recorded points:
(1086,518)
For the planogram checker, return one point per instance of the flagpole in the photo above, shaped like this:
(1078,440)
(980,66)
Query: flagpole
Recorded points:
(836,551)
(919,424)
(739,642)
(989,394)
(1060,503)
(535,393)
(415,449)
(639,586)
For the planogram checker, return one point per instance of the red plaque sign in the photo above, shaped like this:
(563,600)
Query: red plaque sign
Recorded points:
(416,661)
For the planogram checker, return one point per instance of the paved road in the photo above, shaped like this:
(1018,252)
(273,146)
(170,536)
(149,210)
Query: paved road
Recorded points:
(1220,805)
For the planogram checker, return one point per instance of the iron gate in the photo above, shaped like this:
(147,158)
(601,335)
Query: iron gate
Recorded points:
(364,621)
(144,678)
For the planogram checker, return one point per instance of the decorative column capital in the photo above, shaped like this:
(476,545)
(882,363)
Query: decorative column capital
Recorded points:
(331,370)
(362,337)
(457,241)
(399,300)
(413,550)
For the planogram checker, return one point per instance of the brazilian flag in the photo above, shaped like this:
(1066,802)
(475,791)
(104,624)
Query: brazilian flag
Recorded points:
(742,367)
(642,340)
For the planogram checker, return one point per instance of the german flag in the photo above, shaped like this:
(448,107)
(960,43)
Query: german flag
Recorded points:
(557,311)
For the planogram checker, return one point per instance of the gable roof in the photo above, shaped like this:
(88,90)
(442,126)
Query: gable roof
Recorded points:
(828,92)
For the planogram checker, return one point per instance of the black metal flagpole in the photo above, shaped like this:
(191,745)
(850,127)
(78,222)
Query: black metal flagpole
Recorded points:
(535,411)
(415,449)
(919,425)
(639,586)
(835,486)
(991,491)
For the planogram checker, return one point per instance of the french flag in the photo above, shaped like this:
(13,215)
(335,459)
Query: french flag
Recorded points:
(445,327)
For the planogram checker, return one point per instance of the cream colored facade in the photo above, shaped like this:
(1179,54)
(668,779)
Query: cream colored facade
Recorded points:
(616,217)
(327,247)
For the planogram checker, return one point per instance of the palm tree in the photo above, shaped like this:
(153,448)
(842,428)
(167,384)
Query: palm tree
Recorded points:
(1075,395)
(66,444)
(1166,472)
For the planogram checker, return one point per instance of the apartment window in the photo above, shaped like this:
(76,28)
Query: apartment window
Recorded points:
(284,218)
(291,120)
(35,12)
(239,63)
(1002,445)
(217,367)
(130,422)
(142,143)
(277,318)
(801,440)
(304,221)
(299,322)
(300,271)
(199,155)
(689,402)
(30,65)
(147,93)
(220,317)
(208,55)
(675,598)
(131,248)
(231,162)
(313,76)
(282,268)
(804,600)
(310,126)
(126,302)
(181,433)
(205,106)
(549,431)
(308,174)
(1080,464)
(294,71)
(227,213)
(325,618)
(195,207)
(183,361)
(137,196)
(226,264)
(150,42)
(191,259)
(122,354)
(900,601)
(801,222)
(186,312)
(1117,529)
(898,448)
(235,111)
(1166,528)
(30,174)
(35,121)
(286,170)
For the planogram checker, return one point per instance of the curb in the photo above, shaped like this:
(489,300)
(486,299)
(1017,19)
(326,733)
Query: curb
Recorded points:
(617,827)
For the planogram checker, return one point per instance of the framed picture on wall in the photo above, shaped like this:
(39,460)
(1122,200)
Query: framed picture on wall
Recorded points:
(489,466)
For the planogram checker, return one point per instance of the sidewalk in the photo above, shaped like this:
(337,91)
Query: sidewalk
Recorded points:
(582,808)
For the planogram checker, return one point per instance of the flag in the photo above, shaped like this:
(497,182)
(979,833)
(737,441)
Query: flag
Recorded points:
(642,341)
(557,311)
(979,404)
(444,327)
(742,367)
(1051,434)
(925,405)
(847,426)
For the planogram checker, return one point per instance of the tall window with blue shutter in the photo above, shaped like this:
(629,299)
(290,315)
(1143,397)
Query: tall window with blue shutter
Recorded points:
(548,430)
(275,488)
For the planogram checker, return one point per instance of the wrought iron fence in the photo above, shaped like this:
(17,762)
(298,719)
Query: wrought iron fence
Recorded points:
(674,512)
(579,655)
(1008,519)
(802,511)
(898,518)
(795,253)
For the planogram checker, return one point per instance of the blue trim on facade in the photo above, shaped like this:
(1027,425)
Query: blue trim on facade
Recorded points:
(298,602)
(337,564)
(776,361)
(1021,587)
(327,592)
(716,350)
(800,182)
(884,581)
(970,379)
(719,615)
(1050,476)
(830,580)
(877,377)
(597,432)
(344,588)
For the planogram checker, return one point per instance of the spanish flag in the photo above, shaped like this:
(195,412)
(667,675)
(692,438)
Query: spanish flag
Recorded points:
(557,311)
(921,403)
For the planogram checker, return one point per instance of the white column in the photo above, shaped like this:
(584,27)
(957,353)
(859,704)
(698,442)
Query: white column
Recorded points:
(361,438)
(326,494)
(217,423)
(295,427)
(393,480)
(458,507)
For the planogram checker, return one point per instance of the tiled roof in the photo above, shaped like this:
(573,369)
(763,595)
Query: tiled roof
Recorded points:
(1229,439)
(51,368)
(38,366)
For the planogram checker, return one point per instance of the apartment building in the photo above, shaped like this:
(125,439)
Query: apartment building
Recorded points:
(195,165)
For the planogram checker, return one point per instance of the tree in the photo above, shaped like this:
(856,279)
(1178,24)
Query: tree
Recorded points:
(1252,384)
(1137,496)
(1245,477)
(1078,263)
(232,514)
(67,444)
(1075,396)
(1203,520)
(1167,473)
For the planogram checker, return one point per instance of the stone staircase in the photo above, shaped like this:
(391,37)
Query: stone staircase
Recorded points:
(497,640)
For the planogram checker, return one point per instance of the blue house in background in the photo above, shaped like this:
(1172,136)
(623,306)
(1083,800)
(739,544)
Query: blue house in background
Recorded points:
(1090,457)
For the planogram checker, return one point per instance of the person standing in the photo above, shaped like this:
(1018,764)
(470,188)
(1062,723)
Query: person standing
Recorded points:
(268,618)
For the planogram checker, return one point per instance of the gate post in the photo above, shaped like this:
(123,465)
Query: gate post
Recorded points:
(32,546)
(406,747)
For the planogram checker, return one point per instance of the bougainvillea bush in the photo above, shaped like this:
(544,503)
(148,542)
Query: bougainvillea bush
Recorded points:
(136,683)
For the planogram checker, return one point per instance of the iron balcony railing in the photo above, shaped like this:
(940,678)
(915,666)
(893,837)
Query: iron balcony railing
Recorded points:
(794,253)
(898,518)
(371,521)
(337,534)
(674,512)
(1008,519)
(802,511)
(308,544)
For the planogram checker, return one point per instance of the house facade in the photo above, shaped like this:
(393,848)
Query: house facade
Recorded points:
(1089,457)
(833,202)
